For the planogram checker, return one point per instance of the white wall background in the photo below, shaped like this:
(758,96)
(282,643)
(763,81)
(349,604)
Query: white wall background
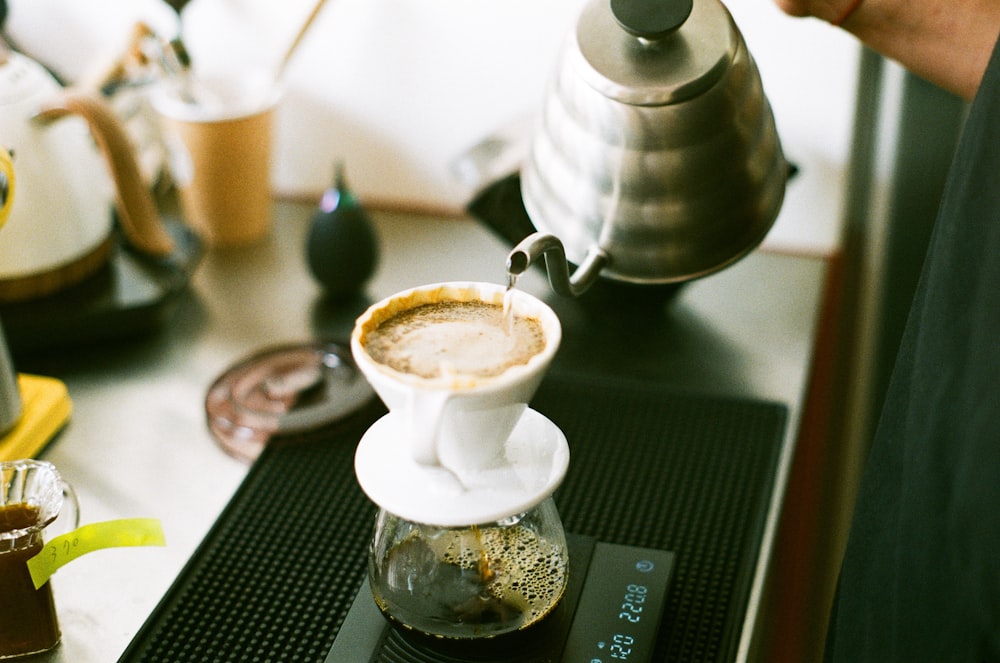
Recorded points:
(397,89)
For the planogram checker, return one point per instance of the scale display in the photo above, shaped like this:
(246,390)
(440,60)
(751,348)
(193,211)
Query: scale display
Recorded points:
(620,606)
(611,612)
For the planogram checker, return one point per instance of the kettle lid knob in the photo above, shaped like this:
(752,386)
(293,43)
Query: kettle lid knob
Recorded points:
(651,19)
(652,52)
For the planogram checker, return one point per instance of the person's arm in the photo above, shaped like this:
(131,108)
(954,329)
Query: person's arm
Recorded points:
(948,42)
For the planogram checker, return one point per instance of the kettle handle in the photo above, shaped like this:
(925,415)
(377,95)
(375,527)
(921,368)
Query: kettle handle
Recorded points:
(140,220)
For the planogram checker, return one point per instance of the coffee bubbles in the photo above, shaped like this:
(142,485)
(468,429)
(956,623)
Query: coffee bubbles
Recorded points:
(470,582)
(455,338)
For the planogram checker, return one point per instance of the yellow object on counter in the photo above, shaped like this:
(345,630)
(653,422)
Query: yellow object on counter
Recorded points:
(97,536)
(6,184)
(46,408)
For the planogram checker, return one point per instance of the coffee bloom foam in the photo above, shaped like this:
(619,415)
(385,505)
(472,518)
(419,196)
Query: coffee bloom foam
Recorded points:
(454,340)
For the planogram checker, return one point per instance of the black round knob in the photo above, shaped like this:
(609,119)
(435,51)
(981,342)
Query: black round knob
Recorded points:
(342,248)
(651,19)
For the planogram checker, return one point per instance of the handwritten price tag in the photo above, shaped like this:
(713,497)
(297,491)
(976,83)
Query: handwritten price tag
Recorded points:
(97,536)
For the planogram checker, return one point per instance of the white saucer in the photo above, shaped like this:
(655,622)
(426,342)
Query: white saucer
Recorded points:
(537,455)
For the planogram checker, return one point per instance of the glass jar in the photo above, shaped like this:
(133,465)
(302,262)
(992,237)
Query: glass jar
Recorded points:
(477,581)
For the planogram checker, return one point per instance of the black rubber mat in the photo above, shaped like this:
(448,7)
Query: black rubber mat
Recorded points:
(274,578)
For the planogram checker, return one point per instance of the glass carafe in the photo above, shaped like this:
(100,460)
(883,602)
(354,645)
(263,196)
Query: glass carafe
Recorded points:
(478,581)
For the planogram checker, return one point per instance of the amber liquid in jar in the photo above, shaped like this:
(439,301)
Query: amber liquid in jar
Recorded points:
(447,589)
(27,615)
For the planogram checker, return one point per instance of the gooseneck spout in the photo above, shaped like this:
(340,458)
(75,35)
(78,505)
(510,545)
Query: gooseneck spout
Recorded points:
(537,244)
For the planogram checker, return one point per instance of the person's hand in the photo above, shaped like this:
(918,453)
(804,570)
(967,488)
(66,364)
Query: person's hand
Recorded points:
(948,42)
(832,11)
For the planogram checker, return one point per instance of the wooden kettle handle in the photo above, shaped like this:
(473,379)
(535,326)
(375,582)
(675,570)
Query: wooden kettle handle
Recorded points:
(140,219)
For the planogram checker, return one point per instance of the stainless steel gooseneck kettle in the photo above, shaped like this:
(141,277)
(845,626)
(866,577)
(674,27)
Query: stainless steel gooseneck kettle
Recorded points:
(656,159)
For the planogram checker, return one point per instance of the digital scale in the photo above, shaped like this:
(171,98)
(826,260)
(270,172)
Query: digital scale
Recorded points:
(611,611)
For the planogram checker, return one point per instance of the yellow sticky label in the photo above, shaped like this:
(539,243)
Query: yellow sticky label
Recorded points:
(97,536)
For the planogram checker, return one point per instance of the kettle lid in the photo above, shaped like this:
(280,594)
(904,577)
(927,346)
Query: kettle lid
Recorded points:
(647,53)
(22,78)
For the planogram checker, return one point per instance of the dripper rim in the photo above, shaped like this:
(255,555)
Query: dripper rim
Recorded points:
(436,292)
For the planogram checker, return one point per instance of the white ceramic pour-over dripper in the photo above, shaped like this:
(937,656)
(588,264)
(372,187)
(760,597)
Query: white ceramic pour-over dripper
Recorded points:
(459,450)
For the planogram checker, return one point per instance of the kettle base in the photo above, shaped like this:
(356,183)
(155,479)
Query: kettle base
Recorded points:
(34,286)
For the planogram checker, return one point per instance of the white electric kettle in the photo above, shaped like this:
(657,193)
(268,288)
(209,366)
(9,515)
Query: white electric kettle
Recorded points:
(11,405)
(62,228)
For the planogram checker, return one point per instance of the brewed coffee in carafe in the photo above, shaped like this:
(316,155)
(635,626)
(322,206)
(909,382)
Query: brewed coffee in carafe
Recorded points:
(469,582)
(468,543)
